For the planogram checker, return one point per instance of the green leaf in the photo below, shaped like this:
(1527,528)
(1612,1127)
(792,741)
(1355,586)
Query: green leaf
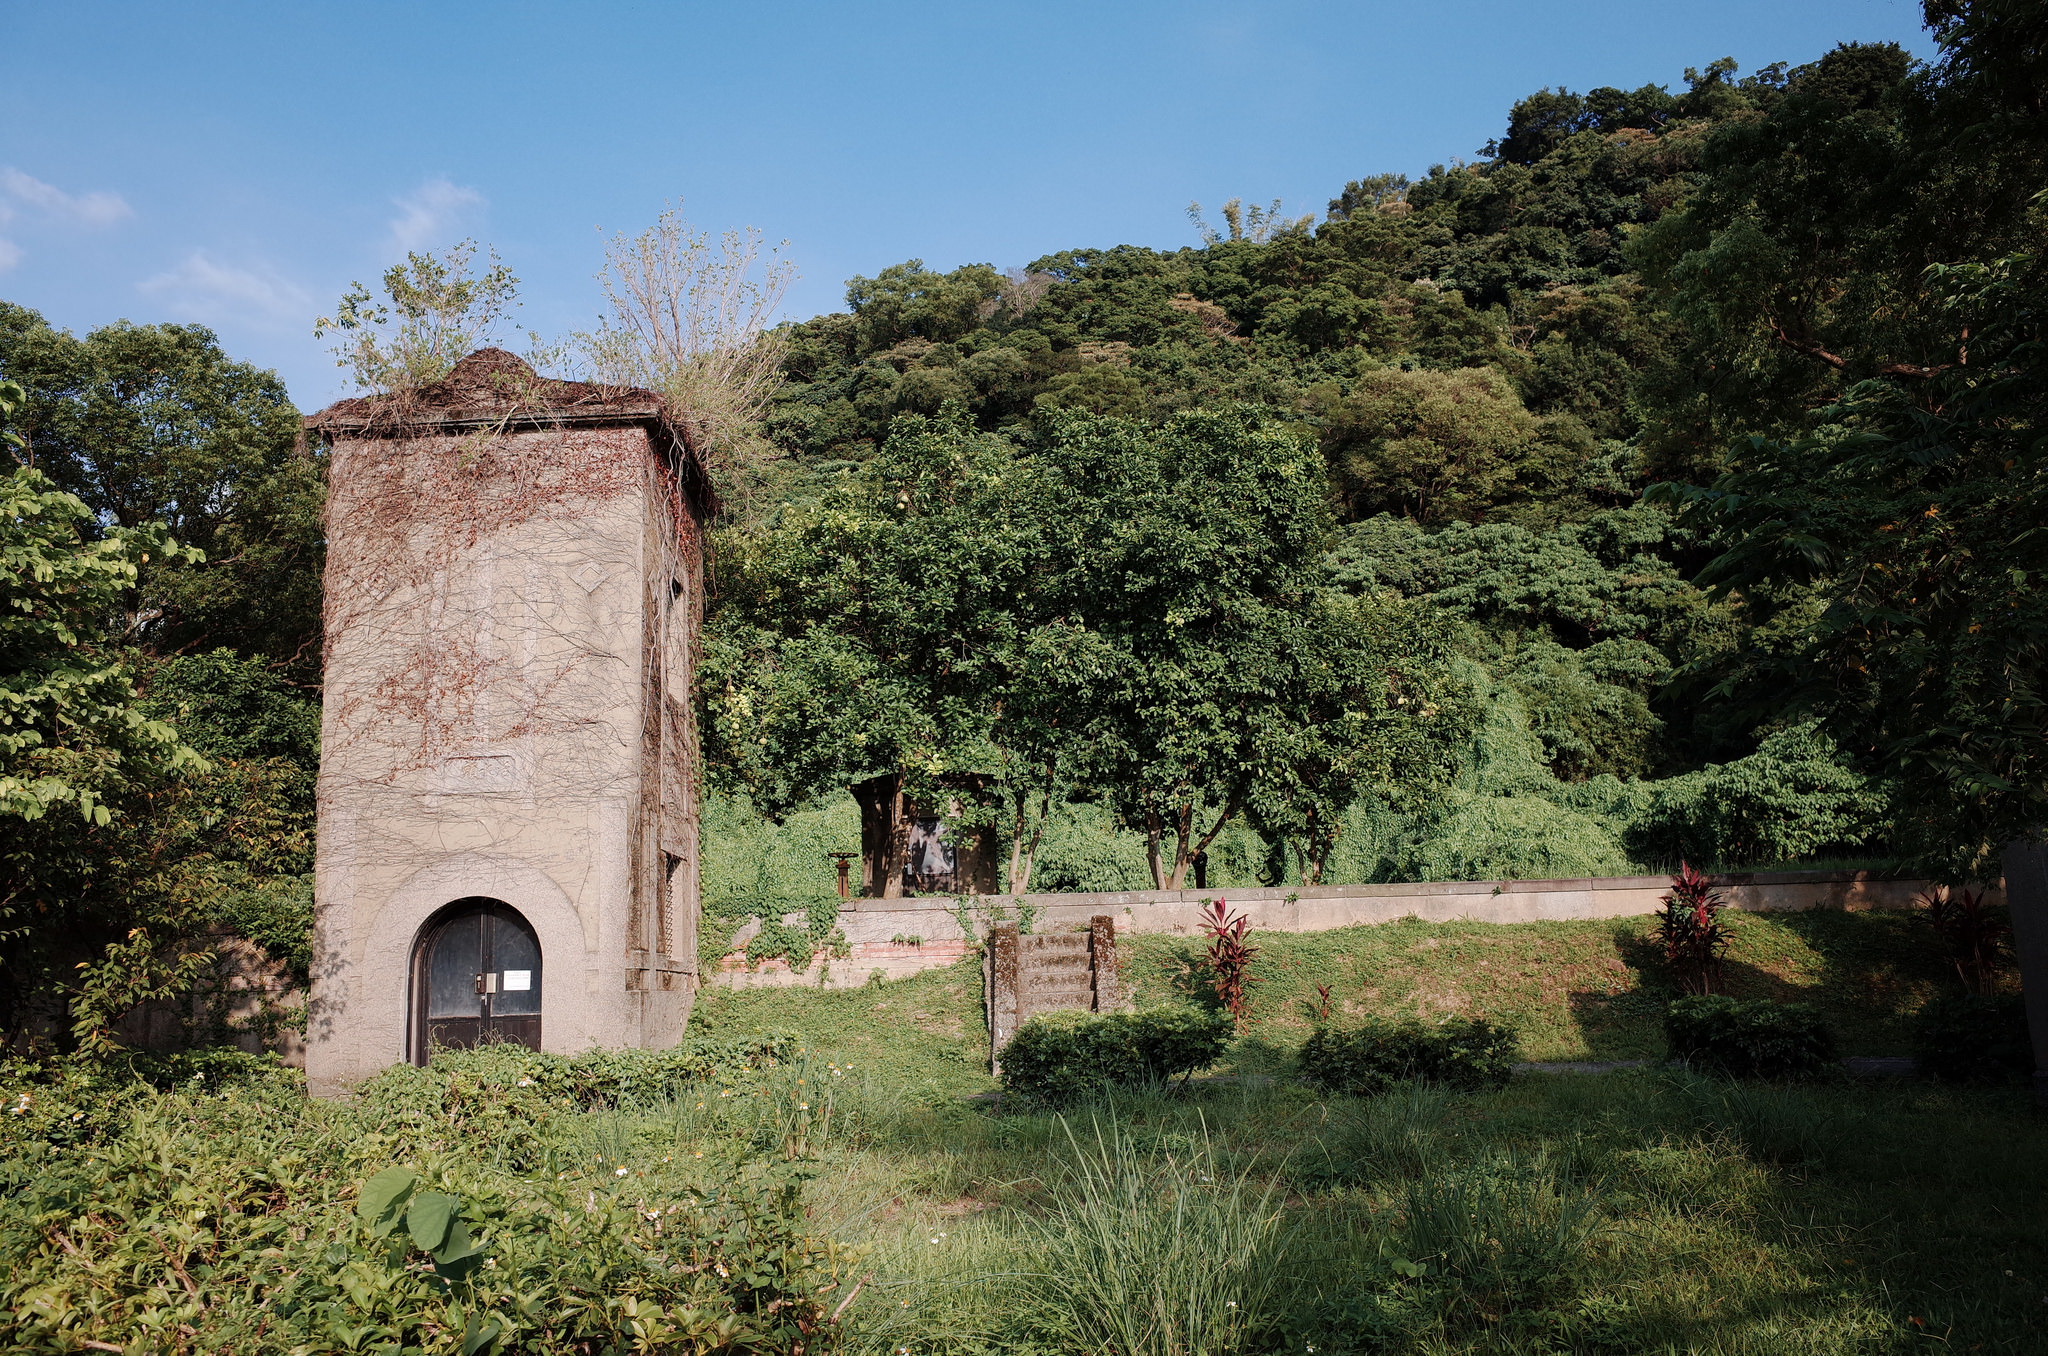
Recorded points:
(429,1217)
(478,1334)
(456,1247)
(381,1201)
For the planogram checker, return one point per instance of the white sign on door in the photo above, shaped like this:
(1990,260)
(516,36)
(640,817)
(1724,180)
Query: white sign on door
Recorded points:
(517,981)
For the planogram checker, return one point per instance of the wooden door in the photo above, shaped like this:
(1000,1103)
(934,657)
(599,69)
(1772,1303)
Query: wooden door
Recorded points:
(476,979)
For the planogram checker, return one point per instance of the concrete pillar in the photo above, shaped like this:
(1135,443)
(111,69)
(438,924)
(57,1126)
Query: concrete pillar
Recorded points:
(2026,895)
(1102,971)
(1004,990)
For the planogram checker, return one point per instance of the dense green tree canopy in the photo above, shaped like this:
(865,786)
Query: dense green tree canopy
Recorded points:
(1133,610)
(1498,358)
(129,444)
(153,423)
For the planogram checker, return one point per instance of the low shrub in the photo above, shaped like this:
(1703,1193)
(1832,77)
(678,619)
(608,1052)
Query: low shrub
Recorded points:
(1063,1055)
(1973,1038)
(596,1078)
(1690,930)
(232,1214)
(1758,1039)
(1466,1053)
(1972,932)
(1229,962)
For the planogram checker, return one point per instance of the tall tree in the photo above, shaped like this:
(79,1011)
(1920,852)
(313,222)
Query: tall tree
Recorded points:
(1894,548)
(870,640)
(1190,556)
(154,423)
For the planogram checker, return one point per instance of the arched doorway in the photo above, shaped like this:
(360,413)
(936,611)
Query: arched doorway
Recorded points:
(476,976)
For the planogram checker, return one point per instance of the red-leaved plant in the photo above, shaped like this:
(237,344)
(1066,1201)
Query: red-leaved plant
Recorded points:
(1230,958)
(1689,928)
(1972,932)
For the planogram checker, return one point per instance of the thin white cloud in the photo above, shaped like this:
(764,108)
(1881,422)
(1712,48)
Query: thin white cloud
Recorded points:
(212,290)
(10,254)
(428,215)
(85,209)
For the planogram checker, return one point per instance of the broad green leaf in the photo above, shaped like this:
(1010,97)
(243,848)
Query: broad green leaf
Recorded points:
(429,1216)
(478,1334)
(382,1199)
(456,1246)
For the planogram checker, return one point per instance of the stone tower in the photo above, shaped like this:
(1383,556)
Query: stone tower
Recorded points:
(508,774)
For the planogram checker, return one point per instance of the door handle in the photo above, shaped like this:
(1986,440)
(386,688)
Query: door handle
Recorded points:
(487,983)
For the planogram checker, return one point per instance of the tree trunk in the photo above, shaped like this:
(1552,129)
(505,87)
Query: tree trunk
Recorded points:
(1022,853)
(1323,849)
(884,836)
(1152,849)
(2026,898)
(1183,830)
(1185,850)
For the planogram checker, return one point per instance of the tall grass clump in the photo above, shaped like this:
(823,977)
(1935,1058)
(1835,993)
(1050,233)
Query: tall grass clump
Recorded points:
(1165,1254)
(1775,1124)
(1503,1231)
(1394,1136)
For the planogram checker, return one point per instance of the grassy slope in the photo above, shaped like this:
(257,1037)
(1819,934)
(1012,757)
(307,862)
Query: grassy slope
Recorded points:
(1721,1217)
(1591,990)
(925,1036)
(1574,990)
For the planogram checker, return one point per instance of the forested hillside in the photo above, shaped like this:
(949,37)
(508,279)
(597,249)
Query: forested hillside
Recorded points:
(1509,368)
(1664,483)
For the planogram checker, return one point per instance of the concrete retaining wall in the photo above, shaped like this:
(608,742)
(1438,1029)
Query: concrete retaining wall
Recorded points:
(872,925)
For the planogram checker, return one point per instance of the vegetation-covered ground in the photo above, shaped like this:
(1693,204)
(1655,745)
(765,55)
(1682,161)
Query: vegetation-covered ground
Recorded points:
(1573,991)
(614,1204)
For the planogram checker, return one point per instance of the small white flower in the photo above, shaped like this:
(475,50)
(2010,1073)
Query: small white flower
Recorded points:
(526,1082)
(618,1172)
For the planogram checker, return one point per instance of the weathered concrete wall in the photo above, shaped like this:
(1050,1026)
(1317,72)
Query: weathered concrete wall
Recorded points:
(870,924)
(506,715)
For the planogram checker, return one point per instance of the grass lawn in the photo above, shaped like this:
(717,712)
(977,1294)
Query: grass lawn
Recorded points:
(1631,1212)
(1643,1210)
(1574,991)
(1628,1212)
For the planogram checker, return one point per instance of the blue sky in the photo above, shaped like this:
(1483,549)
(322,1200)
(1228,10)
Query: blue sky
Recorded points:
(238,164)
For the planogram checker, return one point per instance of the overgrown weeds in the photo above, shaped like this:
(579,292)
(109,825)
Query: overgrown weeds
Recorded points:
(1155,1254)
